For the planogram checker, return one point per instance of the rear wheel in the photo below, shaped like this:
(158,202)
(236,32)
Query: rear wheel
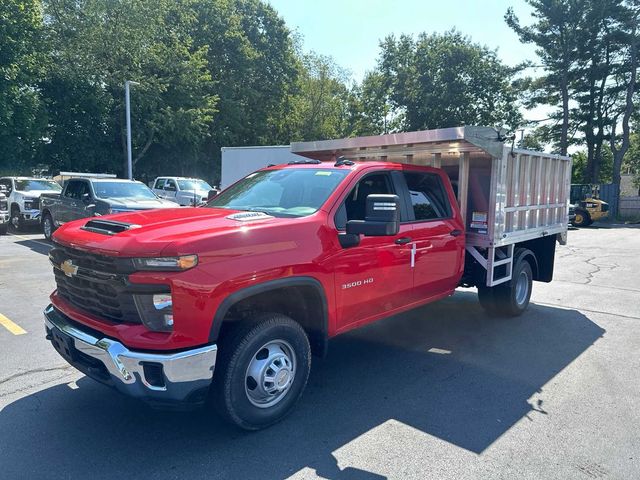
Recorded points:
(262,370)
(511,298)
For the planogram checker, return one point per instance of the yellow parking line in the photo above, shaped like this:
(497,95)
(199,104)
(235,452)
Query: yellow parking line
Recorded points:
(12,327)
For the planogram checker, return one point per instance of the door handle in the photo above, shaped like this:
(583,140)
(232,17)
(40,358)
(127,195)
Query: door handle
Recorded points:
(403,240)
(455,233)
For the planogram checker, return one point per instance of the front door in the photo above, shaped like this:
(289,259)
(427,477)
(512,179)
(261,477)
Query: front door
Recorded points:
(374,277)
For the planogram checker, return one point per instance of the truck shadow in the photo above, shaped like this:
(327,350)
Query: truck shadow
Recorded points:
(445,369)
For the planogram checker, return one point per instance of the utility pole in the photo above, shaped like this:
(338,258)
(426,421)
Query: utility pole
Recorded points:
(127,102)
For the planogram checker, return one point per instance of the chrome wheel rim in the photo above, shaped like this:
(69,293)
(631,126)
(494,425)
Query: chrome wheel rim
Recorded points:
(47,227)
(522,288)
(270,374)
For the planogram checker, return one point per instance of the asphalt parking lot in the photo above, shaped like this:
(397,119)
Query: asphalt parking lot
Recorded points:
(441,392)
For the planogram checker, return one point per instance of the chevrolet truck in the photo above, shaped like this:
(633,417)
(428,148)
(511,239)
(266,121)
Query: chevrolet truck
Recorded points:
(91,197)
(229,302)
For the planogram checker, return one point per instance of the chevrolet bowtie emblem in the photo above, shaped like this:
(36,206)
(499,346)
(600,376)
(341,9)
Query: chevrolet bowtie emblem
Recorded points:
(69,268)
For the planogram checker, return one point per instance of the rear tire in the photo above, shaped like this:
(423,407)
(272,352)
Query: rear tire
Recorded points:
(512,298)
(487,299)
(262,370)
(3,229)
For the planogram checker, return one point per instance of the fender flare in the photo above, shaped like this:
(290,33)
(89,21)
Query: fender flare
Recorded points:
(300,281)
(524,252)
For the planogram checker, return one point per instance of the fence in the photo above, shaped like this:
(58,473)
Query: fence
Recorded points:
(630,207)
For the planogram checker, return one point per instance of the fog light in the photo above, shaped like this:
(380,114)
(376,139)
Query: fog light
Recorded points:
(156,311)
(162,301)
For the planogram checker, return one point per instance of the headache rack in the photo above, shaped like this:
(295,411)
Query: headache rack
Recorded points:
(506,195)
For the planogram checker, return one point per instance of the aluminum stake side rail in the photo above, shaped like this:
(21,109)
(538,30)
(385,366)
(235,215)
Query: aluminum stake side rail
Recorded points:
(228,302)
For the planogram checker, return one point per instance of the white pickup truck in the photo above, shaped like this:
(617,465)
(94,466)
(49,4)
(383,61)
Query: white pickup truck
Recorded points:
(182,190)
(24,198)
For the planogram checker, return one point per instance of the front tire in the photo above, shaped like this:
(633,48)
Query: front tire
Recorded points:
(262,370)
(47,226)
(583,219)
(3,229)
(16,220)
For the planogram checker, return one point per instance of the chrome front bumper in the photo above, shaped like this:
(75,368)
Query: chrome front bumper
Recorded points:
(163,379)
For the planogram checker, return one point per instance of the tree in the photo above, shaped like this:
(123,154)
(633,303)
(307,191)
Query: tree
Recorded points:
(438,81)
(22,117)
(556,37)
(98,44)
(627,76)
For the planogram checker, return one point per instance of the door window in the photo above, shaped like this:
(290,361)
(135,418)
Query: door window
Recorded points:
(160,183)
(73,189)
(428,196)
(354,206)
(170,186)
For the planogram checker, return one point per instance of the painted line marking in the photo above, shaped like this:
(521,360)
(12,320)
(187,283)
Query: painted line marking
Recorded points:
(31,240)
(12,327)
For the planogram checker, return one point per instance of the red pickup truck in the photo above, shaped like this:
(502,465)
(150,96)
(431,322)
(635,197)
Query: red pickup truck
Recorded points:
(229,301)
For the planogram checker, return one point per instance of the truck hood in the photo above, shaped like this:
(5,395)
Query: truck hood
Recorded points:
(139,203)
(166,232)
(34,193)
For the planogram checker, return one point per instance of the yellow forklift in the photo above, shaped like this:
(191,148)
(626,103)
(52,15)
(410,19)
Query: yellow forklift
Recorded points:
(587,205)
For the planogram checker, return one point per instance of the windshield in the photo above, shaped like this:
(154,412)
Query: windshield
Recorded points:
(123,190)
(194,185)
(282,193)
(34,185)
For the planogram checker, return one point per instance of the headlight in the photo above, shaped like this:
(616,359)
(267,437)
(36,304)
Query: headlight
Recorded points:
(184,262)
(156,311)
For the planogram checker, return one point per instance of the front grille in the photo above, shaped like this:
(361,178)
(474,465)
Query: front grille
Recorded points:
(99,285)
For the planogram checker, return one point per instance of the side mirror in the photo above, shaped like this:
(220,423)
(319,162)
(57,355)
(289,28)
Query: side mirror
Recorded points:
(382,217)
(86,198)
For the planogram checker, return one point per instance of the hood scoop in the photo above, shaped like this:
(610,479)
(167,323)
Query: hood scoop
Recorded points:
(248,216)
(108,227)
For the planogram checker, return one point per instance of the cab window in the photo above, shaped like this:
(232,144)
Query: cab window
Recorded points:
(354,205)
(428,196)
(160,183)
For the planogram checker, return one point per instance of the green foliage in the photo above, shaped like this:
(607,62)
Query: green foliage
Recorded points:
(438,81)
(22,118)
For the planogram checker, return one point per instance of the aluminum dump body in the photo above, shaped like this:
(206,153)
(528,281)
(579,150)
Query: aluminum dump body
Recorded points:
(506,195)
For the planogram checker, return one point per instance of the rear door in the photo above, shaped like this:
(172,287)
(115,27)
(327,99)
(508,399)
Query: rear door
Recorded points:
(374,277)
(78,207)
(437,234)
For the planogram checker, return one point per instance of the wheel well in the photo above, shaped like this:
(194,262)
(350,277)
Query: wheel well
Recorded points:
(304,303)
(15,206)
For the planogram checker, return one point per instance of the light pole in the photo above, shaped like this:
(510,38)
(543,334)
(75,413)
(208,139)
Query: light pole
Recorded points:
(127,102)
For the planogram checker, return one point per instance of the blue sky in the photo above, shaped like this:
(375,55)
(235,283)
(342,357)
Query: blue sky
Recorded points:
(349,30)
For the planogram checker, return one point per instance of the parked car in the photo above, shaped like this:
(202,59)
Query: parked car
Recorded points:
(182,190)
(4,210)
(230,300)
(89,197)
(24,198)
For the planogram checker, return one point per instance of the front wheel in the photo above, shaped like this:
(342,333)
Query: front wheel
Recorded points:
(582,219)
(16,218)
(47,226)
(3,229)
(262,370)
